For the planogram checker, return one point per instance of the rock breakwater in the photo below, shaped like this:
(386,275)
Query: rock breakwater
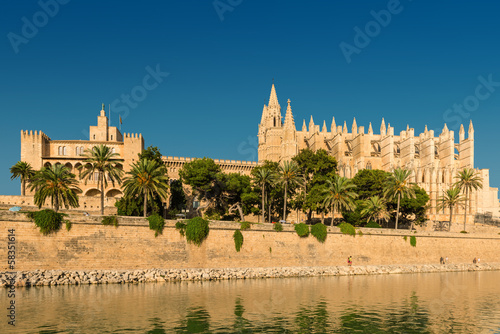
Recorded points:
(60,277)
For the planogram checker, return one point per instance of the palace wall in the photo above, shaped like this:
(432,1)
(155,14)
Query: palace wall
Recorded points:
(132,245)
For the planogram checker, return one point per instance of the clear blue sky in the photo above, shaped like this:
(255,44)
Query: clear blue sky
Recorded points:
(221,62)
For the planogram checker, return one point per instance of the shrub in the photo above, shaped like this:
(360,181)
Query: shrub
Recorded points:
(319,231)
(302,230)
(181,227)
(270,250)
(373,224)
(238,240)
(245,225)
(463,231)
(47,220)
(347,228)
(196,230)
(413,241)
(278,227)
(405,237)
(110,220)
(68,225)
(156,223)
(360,233)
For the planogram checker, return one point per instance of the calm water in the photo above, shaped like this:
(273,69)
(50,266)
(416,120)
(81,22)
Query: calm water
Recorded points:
(418,303)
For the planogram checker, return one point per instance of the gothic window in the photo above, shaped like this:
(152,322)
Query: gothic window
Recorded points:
(111,137)
(93,137)
(369,165)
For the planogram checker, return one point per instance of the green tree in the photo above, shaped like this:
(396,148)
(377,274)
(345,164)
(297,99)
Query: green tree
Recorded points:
(467,180)
(375,208)
(177,196)
(101,160)
(58,183)
(201,175)
(236,193)
(151,153)
(24,171)
(263,178)
(340,195)
(316,168)
(399,186)
(147,178)
(288,175)
(273,194)
(370,182)
(450,199)
(412,209)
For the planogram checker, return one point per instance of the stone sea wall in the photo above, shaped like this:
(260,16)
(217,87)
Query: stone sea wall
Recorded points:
(89,246)
(60,277)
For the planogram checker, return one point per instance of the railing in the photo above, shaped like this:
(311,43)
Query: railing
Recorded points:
(486,219)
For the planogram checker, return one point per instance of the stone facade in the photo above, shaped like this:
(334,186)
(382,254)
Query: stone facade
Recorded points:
(41,151)
(434,159)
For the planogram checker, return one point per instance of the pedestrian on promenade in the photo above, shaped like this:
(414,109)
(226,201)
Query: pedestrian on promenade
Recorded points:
(349,261)
(441,260)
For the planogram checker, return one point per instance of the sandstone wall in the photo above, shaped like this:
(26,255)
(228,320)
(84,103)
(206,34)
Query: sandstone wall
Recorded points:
(132,245)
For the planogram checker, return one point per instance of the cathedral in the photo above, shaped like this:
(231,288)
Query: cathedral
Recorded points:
(433,158)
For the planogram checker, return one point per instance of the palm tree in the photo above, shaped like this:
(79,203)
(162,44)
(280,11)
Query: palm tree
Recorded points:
(101,160)
(399,186)
(288,175)
(468,180)
(375,208)
(58,183)
(147,178)
(263,177)
(24,171)
(339,195)
(450,199)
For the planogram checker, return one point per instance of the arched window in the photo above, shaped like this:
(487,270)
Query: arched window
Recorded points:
(112,150)
(60,150)
(64,150)
(369,165)
(93,137)
(111,137)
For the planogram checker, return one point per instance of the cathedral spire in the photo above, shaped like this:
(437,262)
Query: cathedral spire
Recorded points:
(311,124)
(445,128)
(354,128)
(370,129)
(344,129)
(334,126)
(304,127)
(382,128)
(264,115)
(471,131)
(324,130)
(289,122)
(461,133)
(273,98)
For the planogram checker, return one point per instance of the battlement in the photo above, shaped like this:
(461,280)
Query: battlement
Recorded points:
(35,136)
(132,135)
(217,161)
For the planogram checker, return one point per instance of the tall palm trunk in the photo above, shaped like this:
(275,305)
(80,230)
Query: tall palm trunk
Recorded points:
(284,207)
(101,178)
(333,215)
(263,208)
(466,202)
(397,211)
(322,217)
(23,186)
(56,203)
(451,216)
(145,204)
